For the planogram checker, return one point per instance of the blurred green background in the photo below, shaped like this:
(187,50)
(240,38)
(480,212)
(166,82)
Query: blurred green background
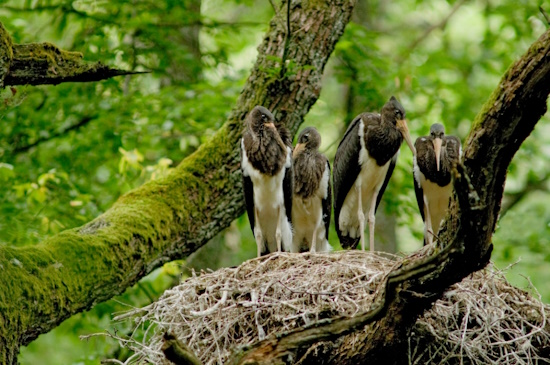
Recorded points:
(67,152)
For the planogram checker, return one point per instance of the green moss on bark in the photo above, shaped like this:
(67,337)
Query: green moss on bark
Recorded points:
(45,63)
(6,53)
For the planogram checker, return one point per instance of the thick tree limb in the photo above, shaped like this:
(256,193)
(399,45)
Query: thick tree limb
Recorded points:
(507,118)
(165,219)
(45,63)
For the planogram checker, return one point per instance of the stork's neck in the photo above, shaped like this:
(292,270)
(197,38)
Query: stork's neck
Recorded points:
(388,122)
(265,151)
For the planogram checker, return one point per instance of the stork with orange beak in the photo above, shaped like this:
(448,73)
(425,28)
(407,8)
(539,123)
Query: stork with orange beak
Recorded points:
(435,156)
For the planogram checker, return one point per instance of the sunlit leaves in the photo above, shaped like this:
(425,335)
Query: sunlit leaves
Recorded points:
(6,171)
(130,160)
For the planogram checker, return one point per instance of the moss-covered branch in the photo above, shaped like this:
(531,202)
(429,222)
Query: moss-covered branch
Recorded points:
(166,219)
(504,122)
(45,63)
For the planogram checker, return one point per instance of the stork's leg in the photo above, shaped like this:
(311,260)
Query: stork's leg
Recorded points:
(318,223)
(258,236)
(428,232)
(313,246)
(372,219)
(278,230)
(360,215)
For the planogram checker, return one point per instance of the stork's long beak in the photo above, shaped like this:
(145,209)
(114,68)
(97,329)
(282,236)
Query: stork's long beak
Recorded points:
(402,125)
(437,147)
(299,147)
(270,125)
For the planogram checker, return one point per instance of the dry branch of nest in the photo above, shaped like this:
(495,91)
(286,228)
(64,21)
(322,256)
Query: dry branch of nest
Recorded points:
(481,320)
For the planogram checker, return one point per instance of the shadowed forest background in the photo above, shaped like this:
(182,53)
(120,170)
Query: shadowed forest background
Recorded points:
(68,152)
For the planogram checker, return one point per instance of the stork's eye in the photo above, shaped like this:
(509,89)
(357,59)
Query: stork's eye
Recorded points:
(264,117)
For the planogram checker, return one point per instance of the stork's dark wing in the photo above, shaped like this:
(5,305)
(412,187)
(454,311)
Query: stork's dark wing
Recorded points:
(422,147)
(453,147)
(419,197)
(346,167)
(327,202)
(288,189)
(248,190)
(393,161)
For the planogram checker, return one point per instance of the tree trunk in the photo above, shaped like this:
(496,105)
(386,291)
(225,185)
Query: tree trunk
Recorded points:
(380,334)
(42,285)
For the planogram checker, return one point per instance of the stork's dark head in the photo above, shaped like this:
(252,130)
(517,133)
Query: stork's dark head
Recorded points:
(260,118)
(309,139)
(394,113)
(437,132)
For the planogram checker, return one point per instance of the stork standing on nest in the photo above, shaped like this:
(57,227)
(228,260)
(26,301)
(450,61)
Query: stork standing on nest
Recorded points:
(363,165)
(435,156)
(312,199)
(266,163)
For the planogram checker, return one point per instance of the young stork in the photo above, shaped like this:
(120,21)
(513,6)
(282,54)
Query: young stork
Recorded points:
(435,156)
(363,165)
(312,199)
(266,163)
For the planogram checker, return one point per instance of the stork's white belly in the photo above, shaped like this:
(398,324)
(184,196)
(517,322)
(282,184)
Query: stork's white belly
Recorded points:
(371,178)
(438,200)
(270,203)
(307,217)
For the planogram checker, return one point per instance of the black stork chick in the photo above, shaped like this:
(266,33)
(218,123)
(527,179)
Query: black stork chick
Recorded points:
(312,199)
(363,165)
(435,156)
(266,163)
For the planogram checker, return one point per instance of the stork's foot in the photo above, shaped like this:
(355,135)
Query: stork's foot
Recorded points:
(349,242)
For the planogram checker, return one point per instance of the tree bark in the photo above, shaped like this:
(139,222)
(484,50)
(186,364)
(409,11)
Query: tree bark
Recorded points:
(167,219)
(464,246)
(44,63)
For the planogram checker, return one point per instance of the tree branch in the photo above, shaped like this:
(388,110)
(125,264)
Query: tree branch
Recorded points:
(439,25)
(81,123)
(44,63)
(512,199)
(545,14)
(169,218)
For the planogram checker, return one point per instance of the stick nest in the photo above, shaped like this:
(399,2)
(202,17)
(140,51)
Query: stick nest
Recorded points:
(481,320)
